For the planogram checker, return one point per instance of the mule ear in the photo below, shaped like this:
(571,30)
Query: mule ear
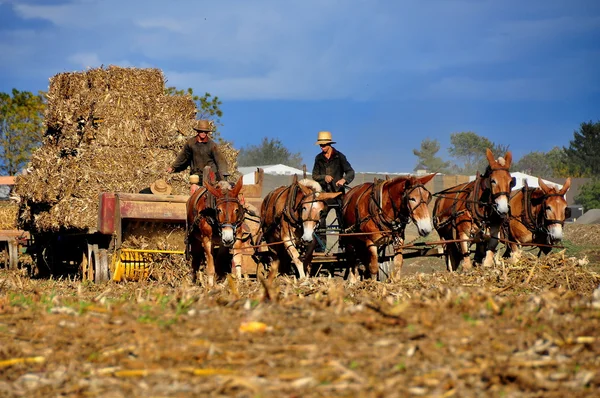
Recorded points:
(508,159)
(543,185)
(295,179)
(238,187)
(426,179)
(305,190)
(490,156)
(565,187)
(328,195)
(212,189)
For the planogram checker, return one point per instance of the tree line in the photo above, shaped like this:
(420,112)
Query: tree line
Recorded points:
(21,132)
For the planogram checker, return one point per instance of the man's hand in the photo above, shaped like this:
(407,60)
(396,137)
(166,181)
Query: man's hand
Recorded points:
(169,170)
(328,179)
(341,182)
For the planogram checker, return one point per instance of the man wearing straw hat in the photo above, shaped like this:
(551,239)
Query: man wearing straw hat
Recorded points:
(333,171)
(198,152)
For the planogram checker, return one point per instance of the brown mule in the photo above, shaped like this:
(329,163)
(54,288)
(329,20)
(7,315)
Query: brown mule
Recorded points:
(214,218)
(537,216)
(475,210)
(379,212)
(290,215)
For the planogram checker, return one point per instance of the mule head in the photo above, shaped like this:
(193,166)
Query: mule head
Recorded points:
(554,209)
(416,199)
(499,181)
(313,206)
(229,210)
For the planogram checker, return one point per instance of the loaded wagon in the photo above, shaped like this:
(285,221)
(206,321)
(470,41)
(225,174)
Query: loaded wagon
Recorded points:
(106,253)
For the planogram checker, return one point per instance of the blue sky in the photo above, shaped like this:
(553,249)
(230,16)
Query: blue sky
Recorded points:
(380,75)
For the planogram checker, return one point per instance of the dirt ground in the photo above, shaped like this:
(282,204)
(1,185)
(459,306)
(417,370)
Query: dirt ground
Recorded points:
(528,330)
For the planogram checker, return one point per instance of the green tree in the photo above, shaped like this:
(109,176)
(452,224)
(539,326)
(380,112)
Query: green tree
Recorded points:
(535,163)
(557,159)
(589,195)
(21,128)
(583,153)
(270,151)
(427,158)
(208,107)
(469,148)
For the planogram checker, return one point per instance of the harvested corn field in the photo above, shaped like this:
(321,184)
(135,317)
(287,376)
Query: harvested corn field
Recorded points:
(528,329)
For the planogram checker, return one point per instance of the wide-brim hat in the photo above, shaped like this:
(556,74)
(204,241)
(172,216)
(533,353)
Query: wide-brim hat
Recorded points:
(324,137)
(202,125)
(160,187)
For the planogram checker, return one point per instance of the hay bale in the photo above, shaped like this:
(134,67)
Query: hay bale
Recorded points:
(108,130)
(8,214)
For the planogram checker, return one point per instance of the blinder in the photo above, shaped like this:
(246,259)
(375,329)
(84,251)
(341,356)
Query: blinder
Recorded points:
(513,182)
(240,216)
(567,212)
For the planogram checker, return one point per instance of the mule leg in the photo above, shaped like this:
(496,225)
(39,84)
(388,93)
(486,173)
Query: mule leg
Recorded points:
(195,268)
(452,256)
(273,269)
(492,245)
(210,261)
(350,262)
(197,257)
(398,259)
(295,256)
(237,258)
(464,252)
(515,253)
(373,262)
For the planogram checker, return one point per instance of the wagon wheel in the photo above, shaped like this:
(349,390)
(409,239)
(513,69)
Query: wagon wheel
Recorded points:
(4,253)
(97,269)
(386,270)
(88,271)
(102,269)
(13,255)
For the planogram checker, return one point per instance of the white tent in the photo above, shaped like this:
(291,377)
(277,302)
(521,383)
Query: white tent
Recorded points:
(532,181)
(274,169)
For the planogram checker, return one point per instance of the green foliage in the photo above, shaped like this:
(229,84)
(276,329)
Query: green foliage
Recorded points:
(21,128)
(583,153)
(428,159)
(270,151)
(469,148)
(535,163)
(208,107)
(589,195)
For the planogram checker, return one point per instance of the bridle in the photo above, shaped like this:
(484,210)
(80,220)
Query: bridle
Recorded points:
(537,222)
(233,224)
(399,220)
(314,198)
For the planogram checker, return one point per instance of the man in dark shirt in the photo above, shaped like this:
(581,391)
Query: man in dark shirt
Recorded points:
(198,152)
(333,171)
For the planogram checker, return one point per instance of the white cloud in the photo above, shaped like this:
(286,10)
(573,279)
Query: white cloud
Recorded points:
(85,60)
(328,49)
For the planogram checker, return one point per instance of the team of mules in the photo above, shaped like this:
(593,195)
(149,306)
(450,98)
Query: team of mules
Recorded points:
(374,217)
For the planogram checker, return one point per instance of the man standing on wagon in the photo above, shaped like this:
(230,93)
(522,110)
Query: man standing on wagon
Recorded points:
(198,152)
(333,171)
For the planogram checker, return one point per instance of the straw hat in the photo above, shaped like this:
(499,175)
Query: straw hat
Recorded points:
(202,125)
(160,187)
(324,137)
